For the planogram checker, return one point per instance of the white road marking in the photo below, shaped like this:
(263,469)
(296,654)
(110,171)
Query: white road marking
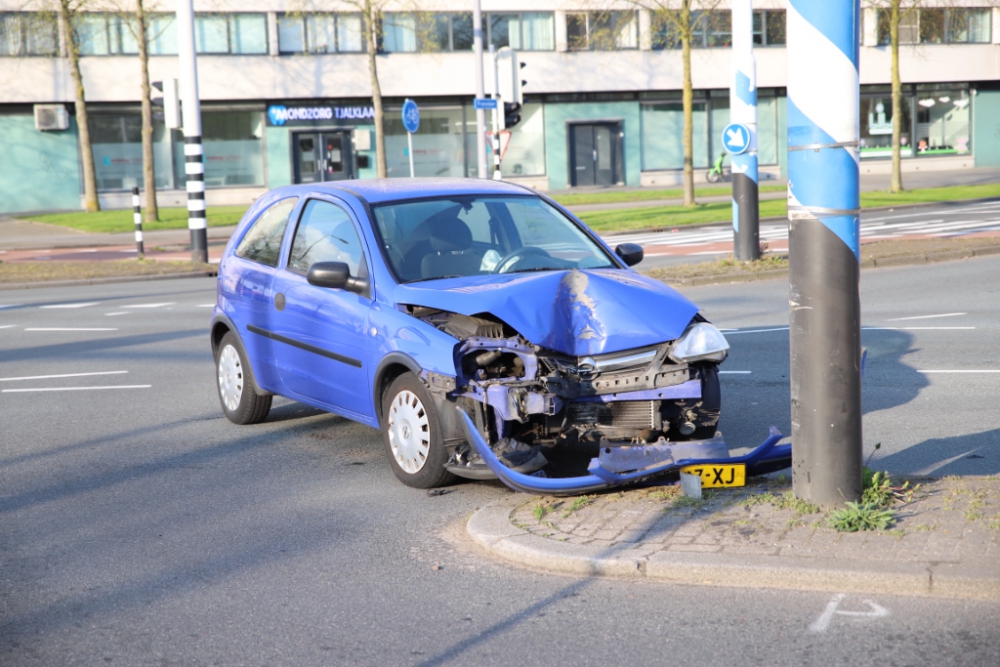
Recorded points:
(735,372)
(205,305)
(150,305)
(823,622)
(917,328)
(971,371)
(120,312)
(8,305)
(72,305)
(120,386)
(63,375)
(70,329)
(8,326)
(731,333)
(924,317)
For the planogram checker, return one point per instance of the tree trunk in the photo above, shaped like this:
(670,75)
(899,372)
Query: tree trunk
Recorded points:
(148,164)
(371,26)
(688,103)
(91,202)
(896,184)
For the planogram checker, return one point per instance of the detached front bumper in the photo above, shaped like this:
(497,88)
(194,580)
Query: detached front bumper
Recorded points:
(768,457)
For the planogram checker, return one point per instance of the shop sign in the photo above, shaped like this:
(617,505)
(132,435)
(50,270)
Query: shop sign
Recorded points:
(279,114)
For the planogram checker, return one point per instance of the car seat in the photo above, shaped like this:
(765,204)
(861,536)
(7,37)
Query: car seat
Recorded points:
(451,243)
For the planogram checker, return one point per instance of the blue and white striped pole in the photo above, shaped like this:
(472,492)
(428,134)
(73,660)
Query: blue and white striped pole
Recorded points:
(194,163)
(743,110)
(824,252)
(137,219)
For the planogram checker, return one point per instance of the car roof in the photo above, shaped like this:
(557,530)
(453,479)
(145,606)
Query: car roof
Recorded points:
(379,190)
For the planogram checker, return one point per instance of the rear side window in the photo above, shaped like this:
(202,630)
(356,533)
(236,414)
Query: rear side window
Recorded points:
(262,243)
(325,234)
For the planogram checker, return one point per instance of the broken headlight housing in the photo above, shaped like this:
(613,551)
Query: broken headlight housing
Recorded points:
(700,342)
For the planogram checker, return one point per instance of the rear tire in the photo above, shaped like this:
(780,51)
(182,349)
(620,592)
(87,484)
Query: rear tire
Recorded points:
(234,381)
(411,433)
(712,176)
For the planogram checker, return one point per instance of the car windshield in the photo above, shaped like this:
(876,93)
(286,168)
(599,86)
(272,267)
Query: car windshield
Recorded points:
(476,235)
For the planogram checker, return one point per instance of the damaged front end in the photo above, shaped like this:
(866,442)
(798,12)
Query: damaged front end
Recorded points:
(529,404)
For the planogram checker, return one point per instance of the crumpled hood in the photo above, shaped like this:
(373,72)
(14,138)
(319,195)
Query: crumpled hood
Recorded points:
(578,313)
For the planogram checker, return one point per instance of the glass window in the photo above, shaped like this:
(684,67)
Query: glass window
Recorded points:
(967,25)
(775,31)
(117,144)
(767,130)
(602,31)
(498,227)
(576,31)
(232,145)
(435,33)
(932,26)
(28,34)
(92,34)
(291,34)
(909,26)
(662,132)
(523,31)
(321,32)
(211,33)
(262,242)
(876,128)
(462,37)
(350,33)
(248,33)
(162,35)
(325,234)
(665,33)
(437,147)
(399,33)
(525,154)
(720,118)
(943,122)
(719,28)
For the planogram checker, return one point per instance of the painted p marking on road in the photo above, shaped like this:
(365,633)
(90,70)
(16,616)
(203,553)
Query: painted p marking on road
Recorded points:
(832,610)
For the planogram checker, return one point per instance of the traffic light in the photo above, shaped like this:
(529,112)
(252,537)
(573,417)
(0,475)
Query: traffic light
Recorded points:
(511,114)
(170,103)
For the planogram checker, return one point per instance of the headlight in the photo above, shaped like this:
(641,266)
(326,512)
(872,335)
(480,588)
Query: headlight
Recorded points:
(701,342)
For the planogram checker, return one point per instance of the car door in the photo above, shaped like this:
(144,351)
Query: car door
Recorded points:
(321,334)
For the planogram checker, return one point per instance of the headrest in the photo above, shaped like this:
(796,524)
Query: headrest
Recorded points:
(449,234)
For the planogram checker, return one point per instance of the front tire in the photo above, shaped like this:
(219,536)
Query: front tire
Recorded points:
(239,399)
(411,433)
(712,176)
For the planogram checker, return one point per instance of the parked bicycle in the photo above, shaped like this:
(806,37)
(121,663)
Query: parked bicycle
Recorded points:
(718,172)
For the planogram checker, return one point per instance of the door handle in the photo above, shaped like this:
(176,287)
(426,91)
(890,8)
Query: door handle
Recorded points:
(279,301)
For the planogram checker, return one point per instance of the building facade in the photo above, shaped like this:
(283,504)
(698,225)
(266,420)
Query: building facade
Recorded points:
(286,94)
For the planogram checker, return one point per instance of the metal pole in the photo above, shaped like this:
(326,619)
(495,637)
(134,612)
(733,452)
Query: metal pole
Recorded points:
(743,109)
(497,176)
(824,300)
(194,164)
(477,32)
(137,219)
(409,143)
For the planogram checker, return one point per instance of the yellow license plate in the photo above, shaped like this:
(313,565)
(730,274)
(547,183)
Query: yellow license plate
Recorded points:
(720,475)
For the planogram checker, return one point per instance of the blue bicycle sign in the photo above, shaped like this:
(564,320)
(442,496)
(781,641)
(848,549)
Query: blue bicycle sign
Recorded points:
(411,116)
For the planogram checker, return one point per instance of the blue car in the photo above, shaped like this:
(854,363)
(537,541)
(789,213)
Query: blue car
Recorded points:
(420,307)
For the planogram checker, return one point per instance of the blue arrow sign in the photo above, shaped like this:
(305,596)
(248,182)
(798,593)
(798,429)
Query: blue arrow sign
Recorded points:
(481,103)
(411,116)
(736,138)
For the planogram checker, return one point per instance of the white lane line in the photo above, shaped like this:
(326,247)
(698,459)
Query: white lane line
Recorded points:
(8,326)
(8,305)
(917,328)
(120,386)
(63,375)
(735,372)
(205,305)
(70,329)
(733,333)
(150,305)
(924,317)
(975,371)
(72,305)
(120,312)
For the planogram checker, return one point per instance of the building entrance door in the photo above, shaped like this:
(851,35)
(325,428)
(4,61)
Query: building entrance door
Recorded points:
(322,156)
(596,154)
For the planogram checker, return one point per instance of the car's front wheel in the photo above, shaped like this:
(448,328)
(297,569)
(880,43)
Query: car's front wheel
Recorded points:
(412,435)
(240,401)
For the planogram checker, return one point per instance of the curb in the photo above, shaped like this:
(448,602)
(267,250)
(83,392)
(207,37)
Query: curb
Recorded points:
(109,280)
(878,263)
(708,225)
(490,528)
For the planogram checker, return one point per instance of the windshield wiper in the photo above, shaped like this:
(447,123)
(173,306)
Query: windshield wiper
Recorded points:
(420,280)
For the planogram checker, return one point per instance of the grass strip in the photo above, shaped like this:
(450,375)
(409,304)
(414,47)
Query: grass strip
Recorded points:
(679,216)
(25,272)
(615,196)
(109,222)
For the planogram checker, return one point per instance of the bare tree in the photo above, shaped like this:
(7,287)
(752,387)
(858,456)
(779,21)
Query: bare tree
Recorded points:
(682,22)
(68,11)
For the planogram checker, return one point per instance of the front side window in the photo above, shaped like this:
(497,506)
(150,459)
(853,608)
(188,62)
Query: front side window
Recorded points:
(478,235)
(262,242)
(325,233)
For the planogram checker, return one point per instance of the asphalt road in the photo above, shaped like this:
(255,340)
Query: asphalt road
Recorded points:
(139,527)
(948,219)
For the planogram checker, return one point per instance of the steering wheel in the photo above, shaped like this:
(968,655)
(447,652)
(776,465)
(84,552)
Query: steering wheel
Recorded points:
(510,259)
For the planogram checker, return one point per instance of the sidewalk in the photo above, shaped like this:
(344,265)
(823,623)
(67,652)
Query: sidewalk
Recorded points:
(18,234)
(946,541)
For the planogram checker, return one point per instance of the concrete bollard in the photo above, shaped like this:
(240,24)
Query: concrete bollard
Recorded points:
(137,218)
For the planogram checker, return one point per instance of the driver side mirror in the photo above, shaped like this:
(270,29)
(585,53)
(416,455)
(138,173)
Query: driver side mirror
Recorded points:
(630,253)
(335,275)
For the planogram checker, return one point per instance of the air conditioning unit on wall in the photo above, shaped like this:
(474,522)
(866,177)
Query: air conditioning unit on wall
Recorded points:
(51,117)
